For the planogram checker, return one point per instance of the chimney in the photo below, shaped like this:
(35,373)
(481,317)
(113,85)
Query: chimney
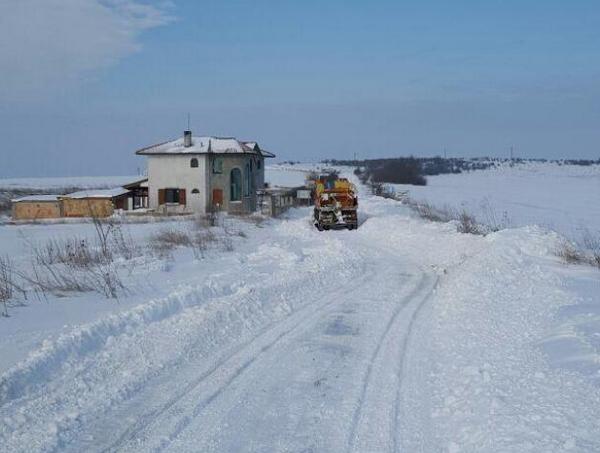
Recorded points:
(187,139)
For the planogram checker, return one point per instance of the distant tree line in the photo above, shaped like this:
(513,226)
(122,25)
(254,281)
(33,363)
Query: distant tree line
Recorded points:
(402,170)
(414,170)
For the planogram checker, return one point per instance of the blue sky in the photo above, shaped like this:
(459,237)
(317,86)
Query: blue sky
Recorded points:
(84,83)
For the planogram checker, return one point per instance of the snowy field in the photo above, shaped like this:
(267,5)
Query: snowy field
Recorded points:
(403,335)
(563,198)
(82,182)
(286,175)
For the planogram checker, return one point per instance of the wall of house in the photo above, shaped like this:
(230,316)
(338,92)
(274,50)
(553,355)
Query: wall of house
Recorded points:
(87,207)
(32,210)
(222,181)
(175,172)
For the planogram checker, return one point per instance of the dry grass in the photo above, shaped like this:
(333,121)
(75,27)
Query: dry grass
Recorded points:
(591,243)
(468,224)
(61,267)
(172,237)
(570,253)
(465,223)
(6,284)
(199,240)
(429,212)
(586,251)
(492,220)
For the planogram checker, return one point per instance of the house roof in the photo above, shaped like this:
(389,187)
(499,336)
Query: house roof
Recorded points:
(103,193)
(39,198)
(136,183)
(204,145)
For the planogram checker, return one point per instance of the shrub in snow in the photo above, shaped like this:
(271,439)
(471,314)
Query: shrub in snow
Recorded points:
(588,253)
(592,245)
(6,284)
(79,265)
(468,225)
(570,253)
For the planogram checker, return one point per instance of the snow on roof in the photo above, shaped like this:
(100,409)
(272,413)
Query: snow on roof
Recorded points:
(105,193)
(36,198)
(266,153)
(142,182)
(203,145)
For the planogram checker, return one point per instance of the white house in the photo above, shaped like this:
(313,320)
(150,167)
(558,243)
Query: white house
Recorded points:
(199,174)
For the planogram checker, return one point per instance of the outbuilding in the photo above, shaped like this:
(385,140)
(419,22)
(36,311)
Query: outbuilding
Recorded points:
(34,207)
(94,203)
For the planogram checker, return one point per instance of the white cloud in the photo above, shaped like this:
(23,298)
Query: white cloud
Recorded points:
(47,44)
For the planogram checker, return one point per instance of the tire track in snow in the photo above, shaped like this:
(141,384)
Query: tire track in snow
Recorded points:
(374,383)
(297,320)
(403,352)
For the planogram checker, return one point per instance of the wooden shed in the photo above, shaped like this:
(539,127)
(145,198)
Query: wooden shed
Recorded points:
(94,203)
(34,207)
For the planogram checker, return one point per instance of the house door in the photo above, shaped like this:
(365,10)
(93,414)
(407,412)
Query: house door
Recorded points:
(217,197)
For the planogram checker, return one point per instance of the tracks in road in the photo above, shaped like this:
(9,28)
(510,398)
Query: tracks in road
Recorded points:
(227,369)
(373,425)
(375,418)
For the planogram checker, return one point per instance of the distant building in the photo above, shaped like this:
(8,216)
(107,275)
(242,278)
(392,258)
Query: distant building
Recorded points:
(85,203)
(199,174)
(35,207)
(274,201)
(138,194)
(94,203)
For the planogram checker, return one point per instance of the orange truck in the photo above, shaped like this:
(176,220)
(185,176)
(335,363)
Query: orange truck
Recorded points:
(336,203)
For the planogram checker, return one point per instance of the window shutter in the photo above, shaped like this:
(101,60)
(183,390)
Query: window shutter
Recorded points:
(182,196)
(161,196)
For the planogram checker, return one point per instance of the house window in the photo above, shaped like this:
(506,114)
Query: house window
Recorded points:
(195,191)
(172,196)
(217,165)
(247,181)
(235,185)
(194,163)
(258,164)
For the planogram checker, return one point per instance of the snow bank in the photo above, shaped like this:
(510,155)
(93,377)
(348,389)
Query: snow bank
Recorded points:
(488,384)
(45,362)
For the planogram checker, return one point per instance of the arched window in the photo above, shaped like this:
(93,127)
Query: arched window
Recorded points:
(194,163)
(247,181)
(235,183)
(195,191)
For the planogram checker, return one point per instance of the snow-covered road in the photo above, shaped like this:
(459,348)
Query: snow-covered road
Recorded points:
(320,342)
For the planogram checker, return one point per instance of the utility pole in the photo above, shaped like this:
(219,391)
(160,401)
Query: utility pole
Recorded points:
(444,153)
(511,152)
